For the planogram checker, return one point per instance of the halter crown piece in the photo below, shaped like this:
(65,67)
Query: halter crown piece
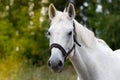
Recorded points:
(65,54)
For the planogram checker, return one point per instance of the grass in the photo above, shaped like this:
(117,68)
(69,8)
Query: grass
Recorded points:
(17,70)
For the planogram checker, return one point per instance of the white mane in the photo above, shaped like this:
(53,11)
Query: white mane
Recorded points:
(86,36)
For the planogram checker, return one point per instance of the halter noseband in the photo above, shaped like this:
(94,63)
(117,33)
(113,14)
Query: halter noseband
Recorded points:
(65,54)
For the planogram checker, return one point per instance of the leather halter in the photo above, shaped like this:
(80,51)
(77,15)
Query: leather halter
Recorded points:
(65,54)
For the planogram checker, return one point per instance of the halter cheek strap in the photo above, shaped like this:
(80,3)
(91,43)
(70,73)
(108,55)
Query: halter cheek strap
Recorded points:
(65,54)
(75,40)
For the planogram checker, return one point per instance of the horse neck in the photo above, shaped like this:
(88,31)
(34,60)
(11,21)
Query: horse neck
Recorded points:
(80,66)
(88,62)
(84,63)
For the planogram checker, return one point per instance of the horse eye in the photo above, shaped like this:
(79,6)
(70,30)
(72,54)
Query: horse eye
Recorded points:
(70,33)
(48,33)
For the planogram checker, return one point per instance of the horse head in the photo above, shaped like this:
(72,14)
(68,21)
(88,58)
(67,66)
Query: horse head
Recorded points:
(61,36)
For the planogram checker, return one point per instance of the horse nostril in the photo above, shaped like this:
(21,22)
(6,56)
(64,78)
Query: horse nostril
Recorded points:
(60,63)
(49,63)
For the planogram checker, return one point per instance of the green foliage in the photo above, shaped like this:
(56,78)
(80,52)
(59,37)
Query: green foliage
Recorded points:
(17,40)
(110,31)
(6,38)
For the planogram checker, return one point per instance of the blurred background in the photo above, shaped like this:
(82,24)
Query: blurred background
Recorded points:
(23,42)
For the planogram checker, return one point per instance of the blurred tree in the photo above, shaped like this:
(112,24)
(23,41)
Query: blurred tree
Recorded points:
(22,35)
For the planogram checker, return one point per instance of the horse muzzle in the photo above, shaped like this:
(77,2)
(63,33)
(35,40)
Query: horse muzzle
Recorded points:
(56,66)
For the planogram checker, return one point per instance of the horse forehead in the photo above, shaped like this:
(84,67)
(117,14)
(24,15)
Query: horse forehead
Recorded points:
(61,26)
(61,21)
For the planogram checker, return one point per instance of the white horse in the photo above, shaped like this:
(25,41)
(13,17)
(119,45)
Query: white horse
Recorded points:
(91,57)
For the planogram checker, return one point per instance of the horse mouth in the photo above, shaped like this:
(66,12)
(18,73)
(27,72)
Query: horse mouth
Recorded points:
(57,69)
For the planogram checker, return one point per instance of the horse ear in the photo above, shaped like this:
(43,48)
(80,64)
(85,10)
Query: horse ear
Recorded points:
(51,11)
(65,10)
(71,11)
